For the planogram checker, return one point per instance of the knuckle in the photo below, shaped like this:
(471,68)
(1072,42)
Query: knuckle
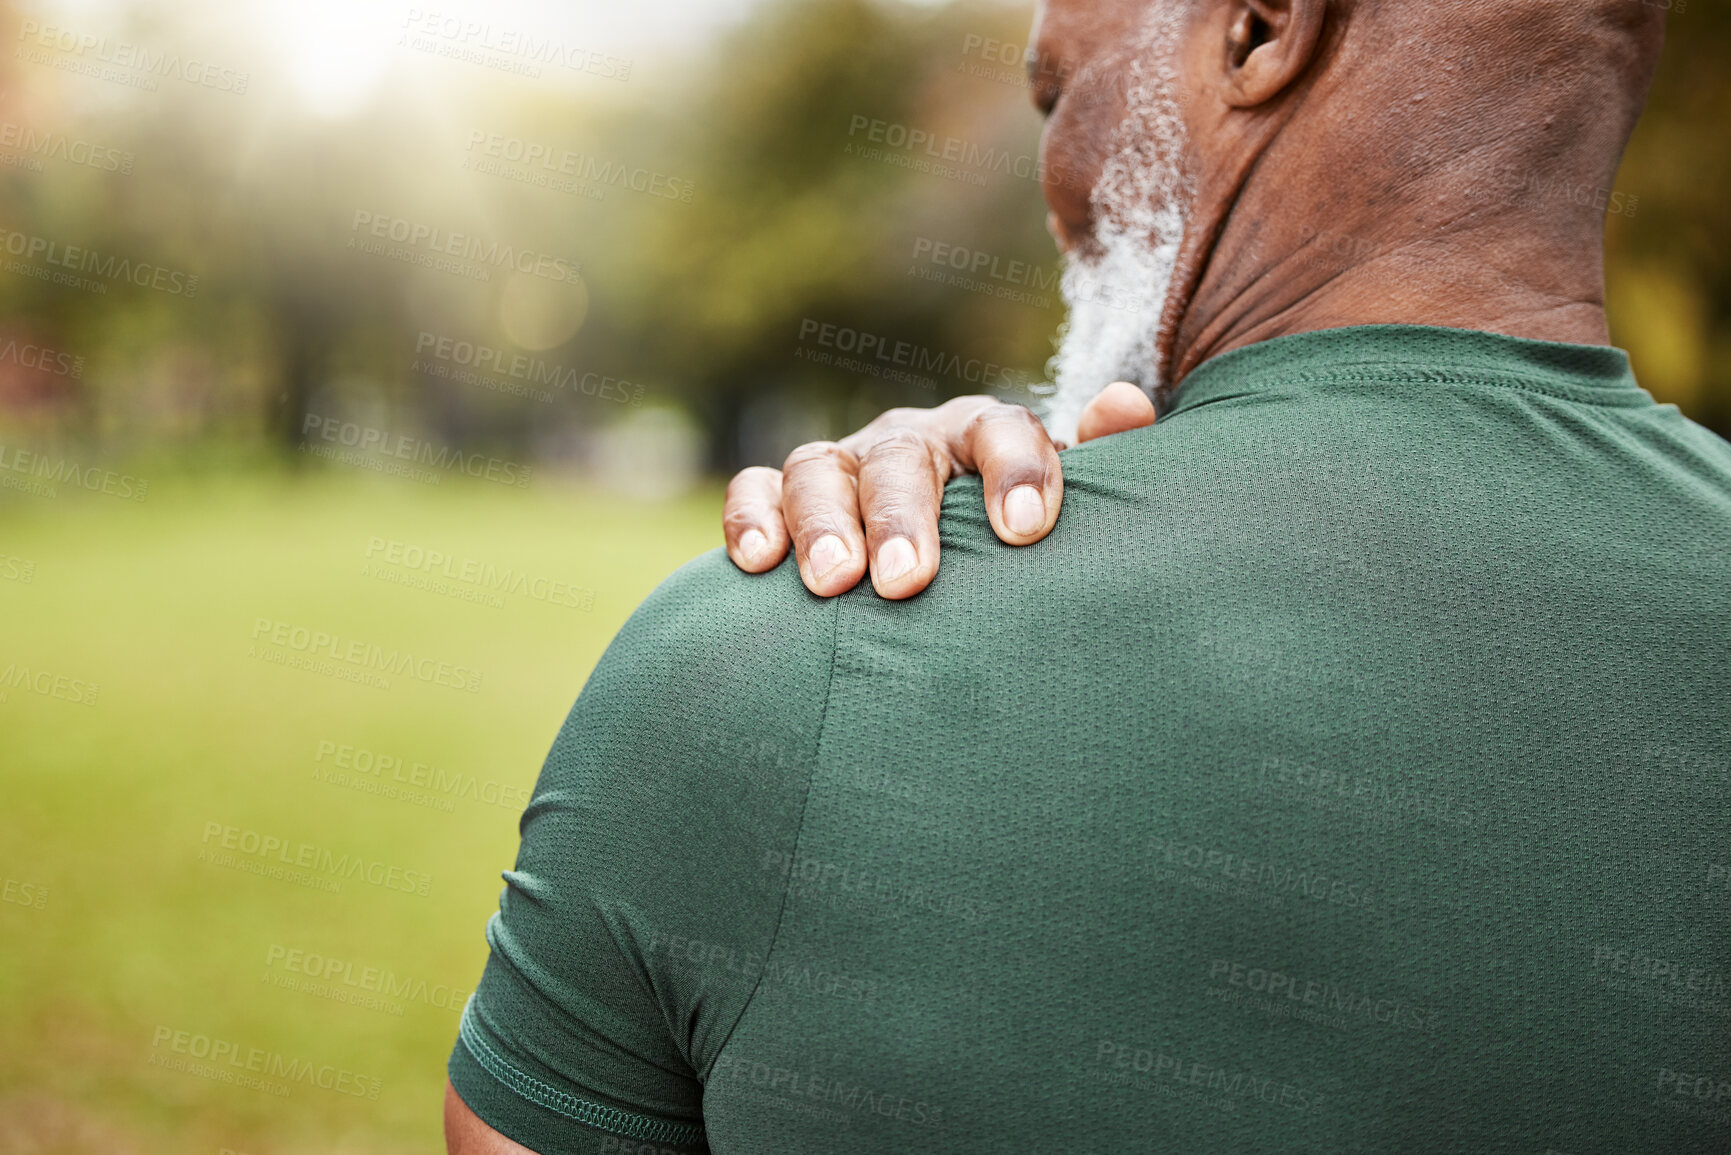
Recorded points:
(889,423)
(962,410)
(1004,417)
(811,519)
(896,442)
(735,520)
(817,453)
(758,474)
(754,482)
(896,518)
(903,416)
(1011,437)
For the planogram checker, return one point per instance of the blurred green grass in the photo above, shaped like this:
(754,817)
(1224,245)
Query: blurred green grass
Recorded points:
(106,805)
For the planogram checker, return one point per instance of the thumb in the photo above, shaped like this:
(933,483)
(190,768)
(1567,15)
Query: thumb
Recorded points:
(1118,408)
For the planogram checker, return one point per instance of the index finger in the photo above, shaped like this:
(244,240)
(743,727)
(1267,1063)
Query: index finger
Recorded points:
(1015,458)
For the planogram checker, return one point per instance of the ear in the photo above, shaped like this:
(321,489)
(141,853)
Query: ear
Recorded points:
(1269,44)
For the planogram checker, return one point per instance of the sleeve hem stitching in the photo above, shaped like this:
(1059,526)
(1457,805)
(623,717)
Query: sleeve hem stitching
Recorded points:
(628,1124)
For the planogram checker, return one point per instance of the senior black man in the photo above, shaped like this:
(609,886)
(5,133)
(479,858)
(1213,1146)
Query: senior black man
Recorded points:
(1344,771)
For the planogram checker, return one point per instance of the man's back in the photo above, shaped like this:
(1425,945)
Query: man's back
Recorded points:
(1348,771)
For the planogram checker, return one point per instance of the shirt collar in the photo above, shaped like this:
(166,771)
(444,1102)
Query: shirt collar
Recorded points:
(1592,374)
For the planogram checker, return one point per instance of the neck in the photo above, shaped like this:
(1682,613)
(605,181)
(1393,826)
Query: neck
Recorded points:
(1524,261)
(1476,200)
(1415,283)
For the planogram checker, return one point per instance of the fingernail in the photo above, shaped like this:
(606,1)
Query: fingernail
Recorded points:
(896,558)
(1024,511)
(826,554)
(752,545)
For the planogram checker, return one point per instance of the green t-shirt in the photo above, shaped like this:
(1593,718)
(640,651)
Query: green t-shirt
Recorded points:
(1349,771)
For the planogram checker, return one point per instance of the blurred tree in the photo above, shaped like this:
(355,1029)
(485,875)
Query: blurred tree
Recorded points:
(795,225)
(1669,274)
(701,303)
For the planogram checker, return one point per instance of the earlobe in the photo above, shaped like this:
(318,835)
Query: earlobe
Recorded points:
(1269,44)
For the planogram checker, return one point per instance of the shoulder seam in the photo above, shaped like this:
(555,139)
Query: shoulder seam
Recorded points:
(798,833)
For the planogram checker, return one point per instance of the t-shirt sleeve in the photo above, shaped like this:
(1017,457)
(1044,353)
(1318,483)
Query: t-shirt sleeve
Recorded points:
(647,888)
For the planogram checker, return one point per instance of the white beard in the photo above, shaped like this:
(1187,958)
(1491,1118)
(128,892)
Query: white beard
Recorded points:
(1117,295)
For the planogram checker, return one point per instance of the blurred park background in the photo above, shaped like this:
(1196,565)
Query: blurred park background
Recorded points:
(362,366)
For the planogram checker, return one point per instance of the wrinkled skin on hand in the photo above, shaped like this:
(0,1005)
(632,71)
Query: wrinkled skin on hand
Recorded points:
(871,500)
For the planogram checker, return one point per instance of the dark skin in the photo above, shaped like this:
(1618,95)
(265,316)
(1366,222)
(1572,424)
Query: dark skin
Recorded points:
(466,1134)
(1354,162)
(1439,113)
